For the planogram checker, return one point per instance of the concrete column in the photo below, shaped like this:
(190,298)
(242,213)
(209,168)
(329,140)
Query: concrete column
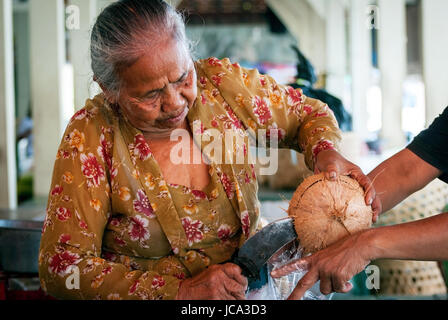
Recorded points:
(8,179)
(47,55)
(306,26)
(336,48)
(360,64)
(22,59)
(85,88)
(435,53)
(392,64)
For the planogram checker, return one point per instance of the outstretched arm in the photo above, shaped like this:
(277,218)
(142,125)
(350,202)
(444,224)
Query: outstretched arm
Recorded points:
(394,180)
(400,176)
(334,266)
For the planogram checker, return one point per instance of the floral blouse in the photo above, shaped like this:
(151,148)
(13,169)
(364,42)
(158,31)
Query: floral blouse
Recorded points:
(114,222)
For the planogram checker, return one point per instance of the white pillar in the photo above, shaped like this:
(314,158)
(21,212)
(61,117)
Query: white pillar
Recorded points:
(85,88)
(8,184)
(336,48)
(306,26)
(435,53)
(360,64)
(392,59)
(47,55)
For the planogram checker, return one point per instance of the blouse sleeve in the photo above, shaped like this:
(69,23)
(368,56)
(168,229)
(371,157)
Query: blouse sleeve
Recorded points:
(300,123)
(70,263)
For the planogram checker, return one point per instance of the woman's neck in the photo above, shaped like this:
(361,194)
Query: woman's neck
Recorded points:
(164,135)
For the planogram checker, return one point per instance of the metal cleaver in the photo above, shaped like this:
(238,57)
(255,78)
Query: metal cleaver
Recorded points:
(257,250)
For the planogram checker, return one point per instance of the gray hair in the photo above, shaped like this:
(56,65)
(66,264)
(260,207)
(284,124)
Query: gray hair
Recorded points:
(125,30)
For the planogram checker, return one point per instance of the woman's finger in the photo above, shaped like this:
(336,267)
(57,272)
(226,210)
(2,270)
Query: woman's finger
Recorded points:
(236,290)
(234,272)
(331,172)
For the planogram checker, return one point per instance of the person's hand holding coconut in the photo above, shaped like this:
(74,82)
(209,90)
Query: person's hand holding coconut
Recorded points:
(331,210)
(332,164)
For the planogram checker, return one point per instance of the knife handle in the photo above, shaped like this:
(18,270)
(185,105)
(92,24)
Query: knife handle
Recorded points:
(249,270)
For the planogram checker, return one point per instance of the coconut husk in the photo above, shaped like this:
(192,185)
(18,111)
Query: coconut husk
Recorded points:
(325,211)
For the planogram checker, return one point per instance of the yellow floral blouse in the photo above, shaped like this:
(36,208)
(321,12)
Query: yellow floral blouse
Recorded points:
(114,222)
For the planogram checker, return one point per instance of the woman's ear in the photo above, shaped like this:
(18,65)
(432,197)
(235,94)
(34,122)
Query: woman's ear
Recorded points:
(109,96)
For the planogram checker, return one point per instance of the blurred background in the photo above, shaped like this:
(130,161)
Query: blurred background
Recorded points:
(380,65)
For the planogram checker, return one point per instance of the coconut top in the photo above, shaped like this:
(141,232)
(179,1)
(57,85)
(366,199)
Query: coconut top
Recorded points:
(325,211)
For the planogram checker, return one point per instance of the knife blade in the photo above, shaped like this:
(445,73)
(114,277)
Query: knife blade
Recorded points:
(258,249)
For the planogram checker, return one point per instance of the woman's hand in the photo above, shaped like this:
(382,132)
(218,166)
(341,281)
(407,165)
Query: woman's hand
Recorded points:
(333,164)
(333,266)
(218,282)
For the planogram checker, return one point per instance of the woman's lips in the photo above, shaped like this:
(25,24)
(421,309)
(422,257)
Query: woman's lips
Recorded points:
(179,118)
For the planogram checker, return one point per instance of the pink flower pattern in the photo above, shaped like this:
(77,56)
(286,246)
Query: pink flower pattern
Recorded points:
(308,109)
(140,148)
(199,195)
(138,229)
(92,170)
(261,110)
(215,62)
(245,221)
(321,146)
(104,151)
(217,79)
(236,123)
(224,232)
(295,100)
(60,262)
(64,238)
(203,81)
(228,185)
(157,282)
(142,204)
(63,214)
(57,190)
(193,230)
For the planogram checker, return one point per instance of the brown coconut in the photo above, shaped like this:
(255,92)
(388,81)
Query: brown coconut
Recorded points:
(325,211)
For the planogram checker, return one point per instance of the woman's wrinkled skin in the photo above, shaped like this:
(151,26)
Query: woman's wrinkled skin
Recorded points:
(159,89)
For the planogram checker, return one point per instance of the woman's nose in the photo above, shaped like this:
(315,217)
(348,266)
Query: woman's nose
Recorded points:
(172,101)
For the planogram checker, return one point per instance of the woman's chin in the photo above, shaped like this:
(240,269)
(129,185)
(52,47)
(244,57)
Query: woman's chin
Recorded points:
(165,129)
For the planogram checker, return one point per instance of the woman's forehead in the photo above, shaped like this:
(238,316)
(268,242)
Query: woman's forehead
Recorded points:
(163,63)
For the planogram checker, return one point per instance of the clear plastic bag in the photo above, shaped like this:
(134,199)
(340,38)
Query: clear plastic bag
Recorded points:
(281,288)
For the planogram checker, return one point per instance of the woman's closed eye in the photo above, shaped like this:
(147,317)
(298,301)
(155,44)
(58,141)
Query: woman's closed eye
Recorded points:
(182,78)
(152,95)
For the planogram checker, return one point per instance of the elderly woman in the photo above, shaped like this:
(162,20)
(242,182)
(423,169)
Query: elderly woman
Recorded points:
(126,218)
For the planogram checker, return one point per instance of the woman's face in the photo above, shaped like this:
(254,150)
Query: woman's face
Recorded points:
(158,89)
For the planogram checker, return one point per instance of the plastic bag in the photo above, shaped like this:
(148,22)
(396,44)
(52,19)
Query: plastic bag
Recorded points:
(281,288)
